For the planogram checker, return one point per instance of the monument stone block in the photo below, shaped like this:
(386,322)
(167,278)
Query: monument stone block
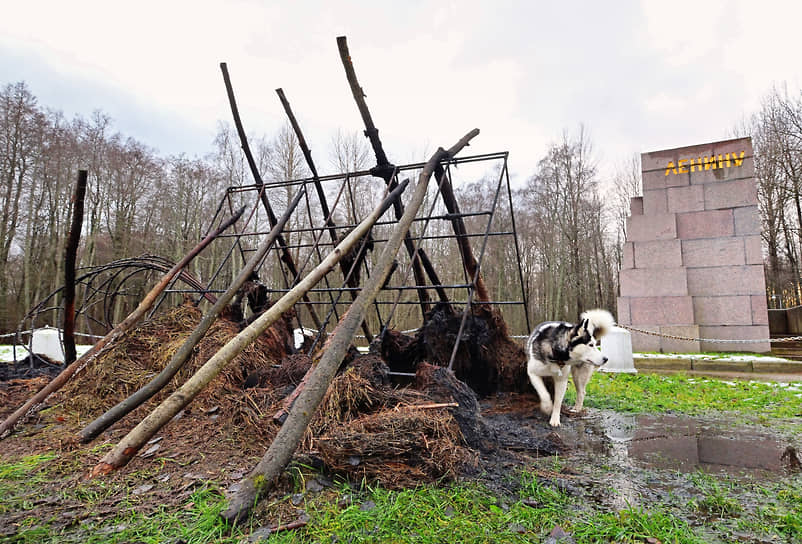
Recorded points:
(658,254)
(636,205)
(623,310)
(732,194)
(655,202)
(628,255)
(753,249)
(726,280)
(713,252)
(707,224)
(661,310)
(646,342)
(754,332)
(645,228)
(686,199)
(760,310)
(674,345)
(723,310)
(747,220)
(644,282)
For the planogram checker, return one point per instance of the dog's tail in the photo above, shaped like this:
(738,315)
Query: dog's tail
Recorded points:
(601,321)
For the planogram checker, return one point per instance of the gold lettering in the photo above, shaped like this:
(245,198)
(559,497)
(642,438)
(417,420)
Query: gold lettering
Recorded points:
(710,163)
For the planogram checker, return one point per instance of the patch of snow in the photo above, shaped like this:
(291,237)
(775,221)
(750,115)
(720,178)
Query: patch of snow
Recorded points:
(7,352)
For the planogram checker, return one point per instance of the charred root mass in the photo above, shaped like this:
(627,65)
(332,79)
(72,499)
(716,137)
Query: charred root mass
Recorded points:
(487,360)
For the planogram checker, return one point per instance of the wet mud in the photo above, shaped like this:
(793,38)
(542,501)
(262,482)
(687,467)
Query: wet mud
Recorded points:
(712,472)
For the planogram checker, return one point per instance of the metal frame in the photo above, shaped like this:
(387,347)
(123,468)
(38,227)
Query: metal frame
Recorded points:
(306,241)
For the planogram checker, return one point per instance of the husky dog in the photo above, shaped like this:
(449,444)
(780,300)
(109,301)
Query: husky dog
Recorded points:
(555,347)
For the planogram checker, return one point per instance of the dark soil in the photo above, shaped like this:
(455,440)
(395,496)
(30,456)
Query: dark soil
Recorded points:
(31,366)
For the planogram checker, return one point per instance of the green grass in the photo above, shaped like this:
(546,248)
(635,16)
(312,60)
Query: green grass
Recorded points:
(461,512)
(23,486)
(19,475)
(195,521)
(693,395)
(470,513)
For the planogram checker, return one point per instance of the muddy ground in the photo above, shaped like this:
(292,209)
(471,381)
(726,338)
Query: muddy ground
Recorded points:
(605,459)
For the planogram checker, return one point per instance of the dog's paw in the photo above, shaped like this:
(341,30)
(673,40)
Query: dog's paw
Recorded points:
(546,406)
(554,422)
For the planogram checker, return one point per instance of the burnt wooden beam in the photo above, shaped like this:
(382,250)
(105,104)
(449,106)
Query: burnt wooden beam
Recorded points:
(70,258)
(286,256)
(386,170)
(458,224)
(351,279)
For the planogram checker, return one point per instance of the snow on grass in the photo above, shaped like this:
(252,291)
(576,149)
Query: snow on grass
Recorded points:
(7,352)
(724,357)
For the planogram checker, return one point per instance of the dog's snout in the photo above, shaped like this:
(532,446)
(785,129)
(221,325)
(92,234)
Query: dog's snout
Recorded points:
(604,359)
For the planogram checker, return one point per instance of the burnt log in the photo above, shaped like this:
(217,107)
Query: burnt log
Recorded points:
(70,258)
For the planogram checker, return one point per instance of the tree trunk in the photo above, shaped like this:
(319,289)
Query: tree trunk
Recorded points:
(291,433)
(139,312)
(136,438)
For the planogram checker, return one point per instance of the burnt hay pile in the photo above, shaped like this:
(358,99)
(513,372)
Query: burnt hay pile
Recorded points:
(142,352)
(365,428)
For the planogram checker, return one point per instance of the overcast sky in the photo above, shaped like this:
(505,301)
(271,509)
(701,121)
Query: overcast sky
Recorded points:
(640,76)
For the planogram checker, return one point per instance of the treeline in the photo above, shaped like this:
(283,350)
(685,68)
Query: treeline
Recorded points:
(136,202)
(776,131)
(570,222)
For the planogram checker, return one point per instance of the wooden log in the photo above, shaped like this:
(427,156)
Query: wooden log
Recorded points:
(385,170)
(351,279)
(139,435)
(70,258)
(124,407)
(286,255)
(457,223)
(261,478)
(125,325)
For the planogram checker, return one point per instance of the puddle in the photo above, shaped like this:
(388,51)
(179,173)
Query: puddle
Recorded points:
(720,476)
(683,444)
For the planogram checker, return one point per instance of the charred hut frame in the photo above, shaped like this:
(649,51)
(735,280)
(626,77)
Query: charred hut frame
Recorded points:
(310,241)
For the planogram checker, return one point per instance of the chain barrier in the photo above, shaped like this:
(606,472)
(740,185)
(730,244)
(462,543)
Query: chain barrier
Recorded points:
(13,334)
(713,340)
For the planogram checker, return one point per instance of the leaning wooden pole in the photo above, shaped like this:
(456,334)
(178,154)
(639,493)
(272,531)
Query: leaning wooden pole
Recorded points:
(182,355)
(126,324)
(70,258)
(385,170)
(463,242)
(261,478)
(350,278)
(150,425)
(286,255)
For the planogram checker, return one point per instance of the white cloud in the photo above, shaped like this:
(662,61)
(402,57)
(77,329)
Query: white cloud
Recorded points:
(639,76)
